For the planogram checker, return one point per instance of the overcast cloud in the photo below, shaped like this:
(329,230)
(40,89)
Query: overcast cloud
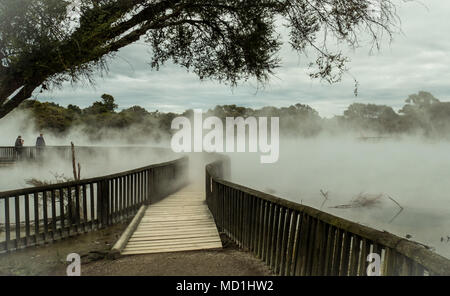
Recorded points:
(416,60)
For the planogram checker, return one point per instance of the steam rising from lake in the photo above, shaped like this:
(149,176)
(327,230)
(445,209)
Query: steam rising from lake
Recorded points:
(110,161)
(101,163)
(413,171)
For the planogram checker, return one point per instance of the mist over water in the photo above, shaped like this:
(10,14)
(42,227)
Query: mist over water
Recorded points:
(22,122)
(116,159)
(109,161)
(413,171)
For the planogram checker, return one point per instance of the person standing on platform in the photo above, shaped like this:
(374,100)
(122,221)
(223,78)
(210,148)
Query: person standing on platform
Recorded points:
(40,144)
(18,146)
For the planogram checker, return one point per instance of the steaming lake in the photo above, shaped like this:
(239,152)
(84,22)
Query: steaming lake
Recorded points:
(105,163)
(415,173)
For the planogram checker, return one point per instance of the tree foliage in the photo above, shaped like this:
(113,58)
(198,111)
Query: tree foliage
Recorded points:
(46,42)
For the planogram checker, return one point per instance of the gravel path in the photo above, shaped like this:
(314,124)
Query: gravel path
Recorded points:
(198,263)
(93,248)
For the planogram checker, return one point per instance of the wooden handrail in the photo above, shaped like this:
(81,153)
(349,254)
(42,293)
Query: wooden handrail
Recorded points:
(317,233)
(47,213)
(84,181)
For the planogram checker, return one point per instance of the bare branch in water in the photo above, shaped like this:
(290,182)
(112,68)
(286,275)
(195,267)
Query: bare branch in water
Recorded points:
(398,213)
(73,161)
(363,200)
(325,196)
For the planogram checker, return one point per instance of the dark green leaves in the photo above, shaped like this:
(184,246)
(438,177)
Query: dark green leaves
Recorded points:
(52,41)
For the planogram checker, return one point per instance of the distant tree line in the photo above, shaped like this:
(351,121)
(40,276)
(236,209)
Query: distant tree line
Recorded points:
(421,114)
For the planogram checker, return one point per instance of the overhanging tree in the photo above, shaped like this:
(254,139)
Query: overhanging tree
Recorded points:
(46,42)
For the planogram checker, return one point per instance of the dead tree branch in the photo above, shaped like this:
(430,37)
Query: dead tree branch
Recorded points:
(398,213)
(325,196)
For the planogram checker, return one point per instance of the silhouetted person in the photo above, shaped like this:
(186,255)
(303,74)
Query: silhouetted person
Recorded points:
(18,146)
(40,142)
(40,145)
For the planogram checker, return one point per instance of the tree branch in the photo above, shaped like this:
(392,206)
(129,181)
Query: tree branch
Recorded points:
(22,95)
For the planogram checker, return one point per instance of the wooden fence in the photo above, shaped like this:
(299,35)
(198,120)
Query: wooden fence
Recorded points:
(43,214)
(8,154)
(294,239)
(32,153)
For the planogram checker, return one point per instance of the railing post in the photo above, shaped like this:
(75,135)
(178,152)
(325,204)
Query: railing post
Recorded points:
(102,202)
(208,188)
(220,205)
(156,184)
(150,186)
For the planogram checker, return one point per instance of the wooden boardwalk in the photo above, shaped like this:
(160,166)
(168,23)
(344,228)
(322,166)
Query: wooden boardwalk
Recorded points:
(180,222)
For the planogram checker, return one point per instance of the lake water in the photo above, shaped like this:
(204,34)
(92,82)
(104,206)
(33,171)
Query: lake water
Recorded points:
(415,173)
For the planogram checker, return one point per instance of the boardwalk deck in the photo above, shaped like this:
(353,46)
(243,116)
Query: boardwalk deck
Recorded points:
(180,222)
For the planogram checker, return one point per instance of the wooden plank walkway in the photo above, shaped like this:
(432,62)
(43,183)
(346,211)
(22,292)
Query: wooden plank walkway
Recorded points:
(180,222)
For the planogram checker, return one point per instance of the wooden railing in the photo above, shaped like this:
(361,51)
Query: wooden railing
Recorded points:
(28,153)
(43,214)
(8,154)
(294,239)
(32,153)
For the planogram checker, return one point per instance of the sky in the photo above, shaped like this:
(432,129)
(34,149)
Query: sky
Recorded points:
(417,59)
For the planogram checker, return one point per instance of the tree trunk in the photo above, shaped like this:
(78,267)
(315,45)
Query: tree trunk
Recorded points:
(22,95)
